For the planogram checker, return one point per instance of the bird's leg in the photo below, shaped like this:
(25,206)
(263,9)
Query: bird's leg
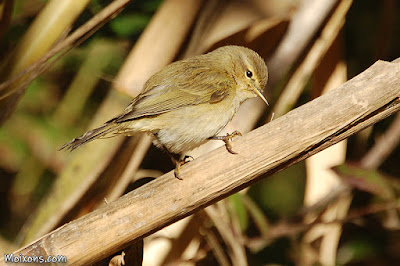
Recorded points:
(228,140)
(178,162)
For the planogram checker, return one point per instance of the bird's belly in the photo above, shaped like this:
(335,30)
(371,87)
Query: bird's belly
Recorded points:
(187,129)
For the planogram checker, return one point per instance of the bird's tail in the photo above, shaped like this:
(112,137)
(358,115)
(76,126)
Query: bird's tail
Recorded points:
(90,135)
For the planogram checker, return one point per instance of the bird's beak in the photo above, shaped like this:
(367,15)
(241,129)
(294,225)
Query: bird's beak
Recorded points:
(259,94)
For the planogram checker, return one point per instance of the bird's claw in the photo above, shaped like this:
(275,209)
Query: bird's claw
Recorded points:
(228,139)
(187,158)
(179,163)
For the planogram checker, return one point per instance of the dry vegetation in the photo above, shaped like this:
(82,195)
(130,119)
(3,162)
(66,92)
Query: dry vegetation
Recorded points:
(317,185)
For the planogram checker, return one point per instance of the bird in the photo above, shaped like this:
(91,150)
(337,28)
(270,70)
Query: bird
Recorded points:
(189,102)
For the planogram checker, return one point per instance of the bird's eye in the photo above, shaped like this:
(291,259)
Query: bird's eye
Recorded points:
(249,74)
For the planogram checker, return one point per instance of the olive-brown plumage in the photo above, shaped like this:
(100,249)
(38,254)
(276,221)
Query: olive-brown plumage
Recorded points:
(189,101)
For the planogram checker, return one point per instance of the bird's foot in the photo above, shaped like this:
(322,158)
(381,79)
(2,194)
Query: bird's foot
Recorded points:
(228,140)
(179,163)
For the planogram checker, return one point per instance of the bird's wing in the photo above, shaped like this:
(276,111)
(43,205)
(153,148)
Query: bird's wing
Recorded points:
(164,97)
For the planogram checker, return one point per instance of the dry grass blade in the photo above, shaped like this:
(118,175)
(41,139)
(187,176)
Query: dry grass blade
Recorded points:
(5,17)
(74,38)
(305,23)
(364,100)
(132,166)
(289,229)
(50,25)
(158,45)
(383,146)
(219,24)
(258,216)
(99,57)
(237,251)
(185,245)
(217,249)
(295,86)
(27,70)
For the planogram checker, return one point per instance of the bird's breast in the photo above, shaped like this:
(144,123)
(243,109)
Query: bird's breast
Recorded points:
(188,127)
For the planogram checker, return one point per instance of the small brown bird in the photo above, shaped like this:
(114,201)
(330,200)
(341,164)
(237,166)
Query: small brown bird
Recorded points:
(189,102)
